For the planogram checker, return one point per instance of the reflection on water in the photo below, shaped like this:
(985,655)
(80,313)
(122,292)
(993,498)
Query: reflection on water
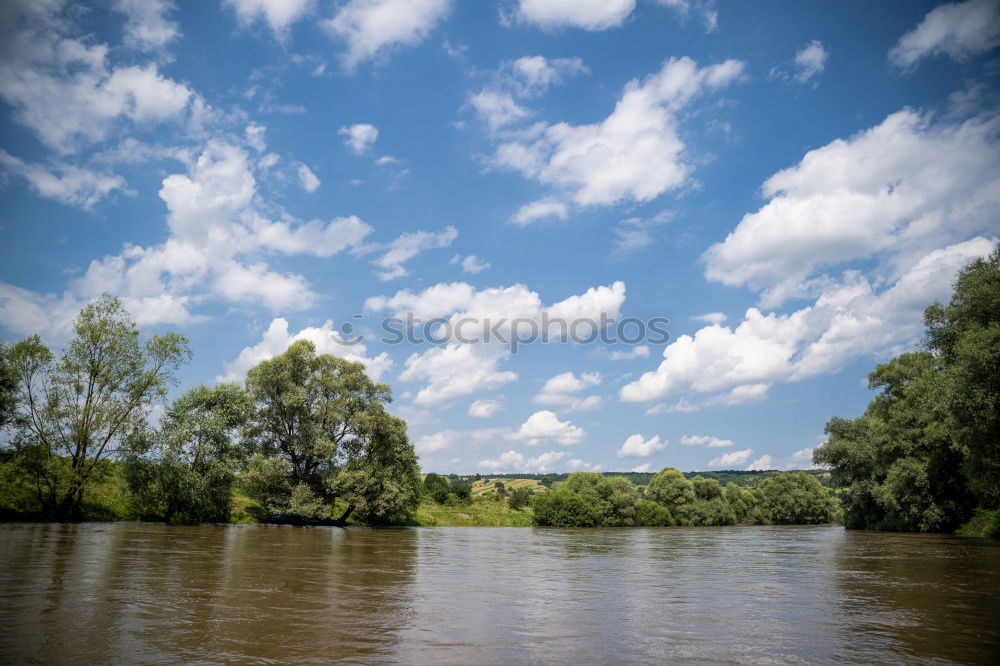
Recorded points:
(149,593)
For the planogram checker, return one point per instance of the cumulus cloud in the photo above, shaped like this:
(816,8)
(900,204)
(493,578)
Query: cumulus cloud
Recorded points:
(765,462)
(307,179)
(485,409)
(563,390)
(146,23)
(278,14)
(408,245)
(545,427)
(636,446)
(810,61)
(957,30)
(277,338)
(455,370)
(635,154)
(372,27)
(732,459)
(359,137)
(705,440)
(585,14)
(64,182)
(912,185)
(533,75)
(711,317)
(538,210)
(513,461)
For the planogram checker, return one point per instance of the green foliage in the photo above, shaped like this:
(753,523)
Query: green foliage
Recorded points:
(436,487)
(321,423)
(984,523)
(89,405)
(927,448)
(461,490)
(650,514)
(706,489)
(8,386)
(519,498)
(187,472)
(670,489)
(565,508)
(796,499)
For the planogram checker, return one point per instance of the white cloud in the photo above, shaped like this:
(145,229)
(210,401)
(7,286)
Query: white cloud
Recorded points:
(485,409)
(512,461)
(544,426)
(732,459)
(643,468)
(537,210)
(711,318)
(254,283)
(314,237)
(704,9)
(307,179)
(636,446)
(470,264)
(278,14)
(586,14)
(277,339)
(359,137)
(146,23)
(408,245)
(851,318)
(705,440)
(957,30)
(498,109)
(562,391)
(906,186)
(372,26)
(63,182)
(635,154)
(639,351)
(535,74)
(455,370)
(765,462)
(810,61)
(447,439)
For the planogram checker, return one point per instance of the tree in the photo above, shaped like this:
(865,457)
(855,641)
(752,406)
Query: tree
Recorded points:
(519,498)
(965,335)
(898,461)
(189,469)
(565,508)
(706,489)
(8,386)
(436,487)
(670,489)
(75,413)
(461,489)
(650,514)
(796,499)
(321,421)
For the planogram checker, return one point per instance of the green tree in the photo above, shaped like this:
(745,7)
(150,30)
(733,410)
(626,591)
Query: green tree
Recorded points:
(519,498)
(188,472)
(8,386)
(898,461)
(965,334)
(462,490)
(565,508)
(743,504)
(436,487)
(669,488)
(706,489)
(650,514)
(796,499)
(76,412)
(321,421)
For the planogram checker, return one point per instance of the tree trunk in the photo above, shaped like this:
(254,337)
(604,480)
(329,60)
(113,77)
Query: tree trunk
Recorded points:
(343,516)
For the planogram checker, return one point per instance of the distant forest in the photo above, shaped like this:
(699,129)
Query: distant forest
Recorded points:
(738,476)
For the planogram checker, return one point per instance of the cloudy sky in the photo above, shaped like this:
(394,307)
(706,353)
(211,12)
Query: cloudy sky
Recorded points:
(788,183)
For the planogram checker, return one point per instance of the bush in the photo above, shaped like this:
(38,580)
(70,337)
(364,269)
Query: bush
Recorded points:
(519,498)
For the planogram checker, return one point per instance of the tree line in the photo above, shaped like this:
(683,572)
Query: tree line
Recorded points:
(925,455)
(590,499)
(308,433)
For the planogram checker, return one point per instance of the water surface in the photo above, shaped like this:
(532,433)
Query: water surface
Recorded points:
(139,593)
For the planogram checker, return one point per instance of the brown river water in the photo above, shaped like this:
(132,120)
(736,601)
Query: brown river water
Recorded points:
(143,593)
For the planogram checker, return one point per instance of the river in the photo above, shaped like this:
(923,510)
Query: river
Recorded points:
(143,593)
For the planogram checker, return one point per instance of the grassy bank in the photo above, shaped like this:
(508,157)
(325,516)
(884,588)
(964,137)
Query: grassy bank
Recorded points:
(479,512)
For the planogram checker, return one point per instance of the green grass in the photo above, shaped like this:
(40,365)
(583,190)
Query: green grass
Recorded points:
(485,487)
(479,512)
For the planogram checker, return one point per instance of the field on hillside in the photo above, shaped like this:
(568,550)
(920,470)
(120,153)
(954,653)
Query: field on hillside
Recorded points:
(487,486)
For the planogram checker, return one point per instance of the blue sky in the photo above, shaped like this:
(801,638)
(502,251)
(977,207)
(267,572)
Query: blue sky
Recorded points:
(788,183)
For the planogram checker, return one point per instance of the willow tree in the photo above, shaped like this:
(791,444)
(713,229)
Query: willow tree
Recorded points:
(322,433)
(75,412)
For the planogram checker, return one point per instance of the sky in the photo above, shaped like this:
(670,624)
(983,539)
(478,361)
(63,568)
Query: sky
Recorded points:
(787,184)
